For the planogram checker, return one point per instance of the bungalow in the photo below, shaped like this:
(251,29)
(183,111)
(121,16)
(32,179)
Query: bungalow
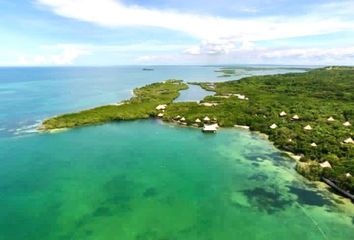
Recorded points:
(308,128)
(206,119)
(325,164)
(346,124)
(330,119)
(161,107)
(295,117)
(349,141)
(282,114)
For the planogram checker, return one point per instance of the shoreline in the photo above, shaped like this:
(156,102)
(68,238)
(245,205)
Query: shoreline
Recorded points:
(304,138)
(319,184)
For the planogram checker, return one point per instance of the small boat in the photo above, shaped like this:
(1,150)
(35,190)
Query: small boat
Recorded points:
(148,69)
(338,189)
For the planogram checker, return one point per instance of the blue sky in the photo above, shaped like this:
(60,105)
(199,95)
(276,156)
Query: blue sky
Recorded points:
(145,32)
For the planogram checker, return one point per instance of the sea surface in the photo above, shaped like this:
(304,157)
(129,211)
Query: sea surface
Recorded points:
(146,180)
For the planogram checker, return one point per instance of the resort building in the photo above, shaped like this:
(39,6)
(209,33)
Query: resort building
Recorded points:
(330,119)
(282,114)
(206,119)
(347,124)
(308,128)
(210,128)
(161,107)
(349,141)
(325,164)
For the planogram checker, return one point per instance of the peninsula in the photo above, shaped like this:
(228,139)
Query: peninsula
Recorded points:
(307,114)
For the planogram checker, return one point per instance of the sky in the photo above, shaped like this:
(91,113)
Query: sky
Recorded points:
(175,32)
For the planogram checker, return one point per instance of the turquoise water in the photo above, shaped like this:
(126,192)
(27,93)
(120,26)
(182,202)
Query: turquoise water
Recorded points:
(193,94)
(145,179)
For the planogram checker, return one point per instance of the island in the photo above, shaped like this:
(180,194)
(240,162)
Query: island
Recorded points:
(307,115)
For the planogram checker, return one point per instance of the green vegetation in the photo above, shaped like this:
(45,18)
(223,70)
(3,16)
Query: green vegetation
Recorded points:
(313,96)
(141,106)
(257,102)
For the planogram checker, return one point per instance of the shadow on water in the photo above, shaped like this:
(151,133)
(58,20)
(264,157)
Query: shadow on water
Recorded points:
(150,192)
(267,200)
(120,191)
(309,197)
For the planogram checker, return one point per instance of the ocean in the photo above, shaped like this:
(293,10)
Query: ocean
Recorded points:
(144,180)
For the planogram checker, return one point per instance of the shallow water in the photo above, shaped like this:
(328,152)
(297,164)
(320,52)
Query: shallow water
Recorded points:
(193,94)
(144,179)
(147,180)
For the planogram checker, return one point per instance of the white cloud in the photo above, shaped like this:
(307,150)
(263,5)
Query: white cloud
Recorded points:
(311,53)
(112,13)
(310,56)
(61,54)
(213,47)
(157,58)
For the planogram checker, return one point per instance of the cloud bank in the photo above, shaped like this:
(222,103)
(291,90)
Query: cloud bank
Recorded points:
(219,36)
(110,13)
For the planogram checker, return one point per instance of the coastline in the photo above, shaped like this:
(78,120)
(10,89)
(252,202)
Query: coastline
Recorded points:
(256,115)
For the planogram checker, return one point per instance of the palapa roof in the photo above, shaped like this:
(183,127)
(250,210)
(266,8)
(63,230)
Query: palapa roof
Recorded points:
(330,119)
(348,175)
(178,117)
(347,124)
(313,145)
(282,114)
(273,126)
(206,118)
(161,107)
(198,120)
(308,127)
(183,119)
(295,117)
(349,141)
(325,164)
(160,115)
(208,104)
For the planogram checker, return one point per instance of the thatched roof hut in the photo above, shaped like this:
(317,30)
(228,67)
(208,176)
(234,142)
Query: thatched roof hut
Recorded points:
(295,117)
(161,107)
(282,114)
(183,119)
(206,119)
(313,145)
(198,120)
(349,141)
(330,119)
(308,128)
(160,115)
(273,126)
(347,124)
(325,164)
